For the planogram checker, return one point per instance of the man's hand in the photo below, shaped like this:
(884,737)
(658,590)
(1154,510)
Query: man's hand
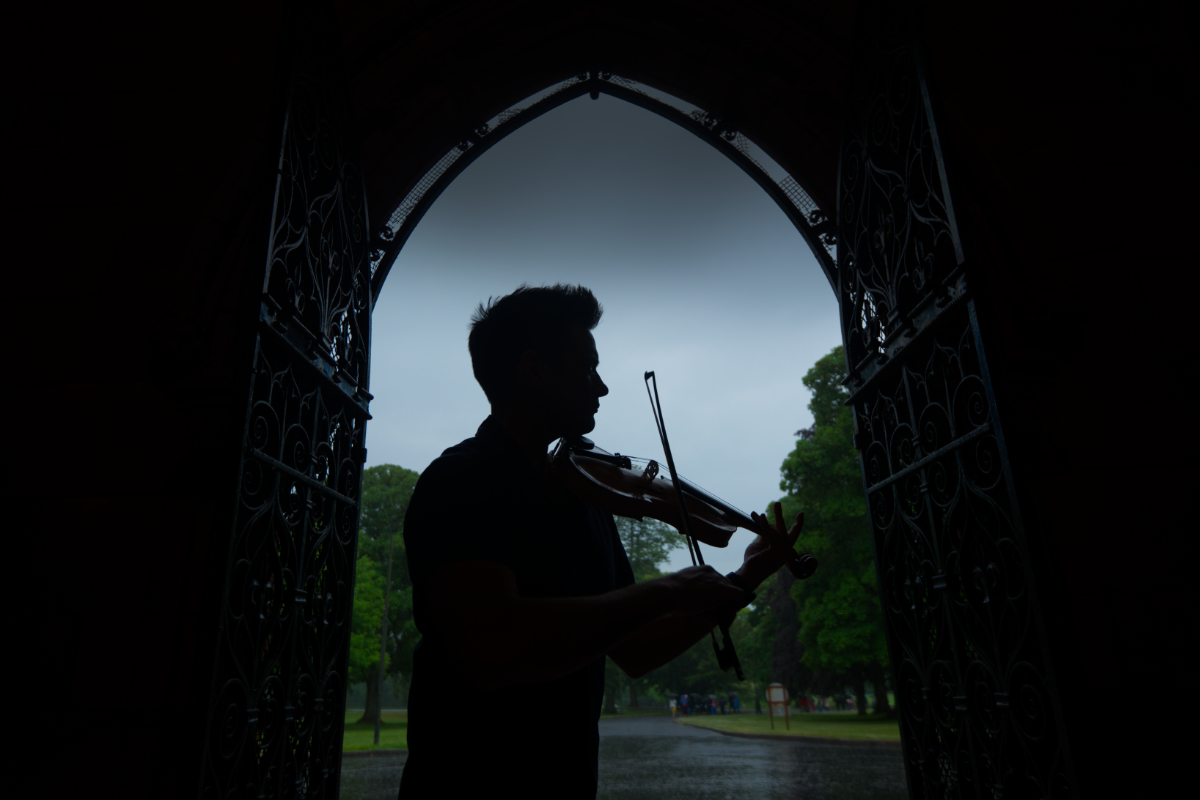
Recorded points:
(703,592)
(765,556)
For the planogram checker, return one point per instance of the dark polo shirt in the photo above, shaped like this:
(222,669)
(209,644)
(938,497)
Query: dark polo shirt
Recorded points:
(481,499)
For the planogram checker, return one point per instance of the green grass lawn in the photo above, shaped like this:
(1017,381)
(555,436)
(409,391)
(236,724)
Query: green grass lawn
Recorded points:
(393,734)
(833,725)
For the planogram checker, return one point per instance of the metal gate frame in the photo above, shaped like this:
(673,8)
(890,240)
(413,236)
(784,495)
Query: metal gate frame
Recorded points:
(278,693)
(979,712)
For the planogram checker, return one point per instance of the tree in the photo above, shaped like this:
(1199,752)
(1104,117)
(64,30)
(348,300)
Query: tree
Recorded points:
(787,651)
(696,669)
(386,491)
(841,619)
(365,623)
(648,544)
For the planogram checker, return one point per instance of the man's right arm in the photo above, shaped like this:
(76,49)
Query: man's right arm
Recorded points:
(473,607)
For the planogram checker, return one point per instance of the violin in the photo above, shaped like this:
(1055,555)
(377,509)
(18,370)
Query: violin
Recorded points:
(633,487)
(609,482)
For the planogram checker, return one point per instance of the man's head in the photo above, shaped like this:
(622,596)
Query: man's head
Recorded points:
(533,349)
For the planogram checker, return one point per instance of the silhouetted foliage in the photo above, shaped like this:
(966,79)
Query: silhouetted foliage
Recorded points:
(841,621)
(386,491)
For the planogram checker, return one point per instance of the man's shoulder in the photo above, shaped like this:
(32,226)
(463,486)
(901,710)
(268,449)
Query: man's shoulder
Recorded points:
(461,464)
(473,469)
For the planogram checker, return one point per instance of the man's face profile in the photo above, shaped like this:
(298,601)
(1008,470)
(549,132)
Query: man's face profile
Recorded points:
(570,388)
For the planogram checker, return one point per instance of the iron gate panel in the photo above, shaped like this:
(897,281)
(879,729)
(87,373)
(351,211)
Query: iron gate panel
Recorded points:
(276,711)
(979,715)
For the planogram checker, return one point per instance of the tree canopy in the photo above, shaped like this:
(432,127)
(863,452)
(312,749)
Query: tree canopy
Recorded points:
(648,544)
(841,620)
(386,491)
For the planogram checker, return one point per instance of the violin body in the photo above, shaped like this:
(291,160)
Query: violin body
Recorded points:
(609,482)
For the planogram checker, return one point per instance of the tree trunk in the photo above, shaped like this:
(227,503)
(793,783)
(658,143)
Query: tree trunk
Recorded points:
(860,691)
(611,686)
(786,649)
(373,709)
(879,681)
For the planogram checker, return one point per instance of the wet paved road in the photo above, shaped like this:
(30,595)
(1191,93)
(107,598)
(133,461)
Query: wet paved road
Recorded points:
(652,758)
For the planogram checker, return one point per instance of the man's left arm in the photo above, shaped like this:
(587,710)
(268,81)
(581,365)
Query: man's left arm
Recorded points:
(668,636)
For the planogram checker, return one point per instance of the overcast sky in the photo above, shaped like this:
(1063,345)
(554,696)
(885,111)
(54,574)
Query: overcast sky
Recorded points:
(702,278)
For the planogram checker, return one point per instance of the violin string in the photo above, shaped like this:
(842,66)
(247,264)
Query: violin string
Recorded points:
(692,487)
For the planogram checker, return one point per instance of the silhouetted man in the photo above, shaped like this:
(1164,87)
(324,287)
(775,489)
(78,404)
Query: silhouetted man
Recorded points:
(521,586)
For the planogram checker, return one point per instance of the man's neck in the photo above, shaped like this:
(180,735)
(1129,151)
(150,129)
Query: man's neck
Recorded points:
(529,432)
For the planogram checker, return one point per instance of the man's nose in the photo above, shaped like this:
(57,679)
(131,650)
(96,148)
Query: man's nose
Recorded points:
(601,388)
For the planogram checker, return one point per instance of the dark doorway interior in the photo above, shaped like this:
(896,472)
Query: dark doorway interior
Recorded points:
(1067,141)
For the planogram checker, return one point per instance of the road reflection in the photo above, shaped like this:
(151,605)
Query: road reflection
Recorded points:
(651,758)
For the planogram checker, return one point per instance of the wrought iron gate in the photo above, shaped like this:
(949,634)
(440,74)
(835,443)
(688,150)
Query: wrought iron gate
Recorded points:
(278,691)
(979,715)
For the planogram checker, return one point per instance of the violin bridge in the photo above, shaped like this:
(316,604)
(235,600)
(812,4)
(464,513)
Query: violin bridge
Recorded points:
(648,475)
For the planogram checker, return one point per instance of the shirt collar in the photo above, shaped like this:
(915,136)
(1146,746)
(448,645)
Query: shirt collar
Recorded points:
(494,436)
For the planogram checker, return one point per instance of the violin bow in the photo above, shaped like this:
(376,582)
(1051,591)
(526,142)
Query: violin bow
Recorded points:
(726,656)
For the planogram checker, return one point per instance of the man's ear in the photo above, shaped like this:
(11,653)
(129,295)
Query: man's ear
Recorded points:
(532,368)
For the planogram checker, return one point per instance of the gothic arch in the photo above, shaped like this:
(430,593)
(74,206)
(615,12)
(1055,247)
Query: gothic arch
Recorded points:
(814,225)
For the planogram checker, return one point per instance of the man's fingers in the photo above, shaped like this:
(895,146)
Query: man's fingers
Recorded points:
(794,533)
(776,534)
(765,529)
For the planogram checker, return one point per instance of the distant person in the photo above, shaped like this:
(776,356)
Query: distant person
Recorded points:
(672,708)
(721,704)
(683,704)
(712,706)
(518,583)
(737,709)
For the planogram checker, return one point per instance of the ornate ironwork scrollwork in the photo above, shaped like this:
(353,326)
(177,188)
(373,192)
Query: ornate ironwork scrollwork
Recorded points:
(978,713)
(893,214)
(961,620)
(278,691)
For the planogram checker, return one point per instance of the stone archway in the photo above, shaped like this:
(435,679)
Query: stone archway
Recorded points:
(963,621)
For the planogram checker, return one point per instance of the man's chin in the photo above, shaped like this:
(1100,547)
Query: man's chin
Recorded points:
(580,427)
